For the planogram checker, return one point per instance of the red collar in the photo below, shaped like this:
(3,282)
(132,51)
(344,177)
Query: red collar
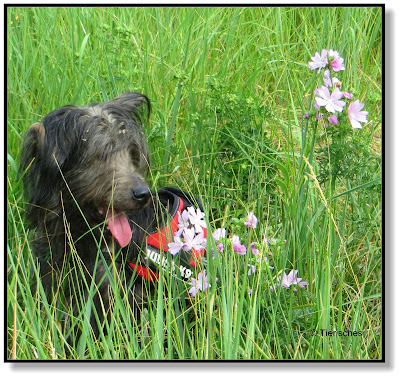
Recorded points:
(143,272)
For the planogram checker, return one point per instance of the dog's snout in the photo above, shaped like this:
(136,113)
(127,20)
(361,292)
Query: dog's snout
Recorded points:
(141,194)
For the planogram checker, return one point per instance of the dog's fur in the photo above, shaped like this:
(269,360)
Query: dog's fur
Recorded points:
(81,163)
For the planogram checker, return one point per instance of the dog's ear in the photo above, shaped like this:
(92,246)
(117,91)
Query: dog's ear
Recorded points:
(132,99)
(37,175)
(33,145)
(32,154)
(133,102)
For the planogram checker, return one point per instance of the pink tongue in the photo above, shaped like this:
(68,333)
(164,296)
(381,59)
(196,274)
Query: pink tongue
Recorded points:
(119,228)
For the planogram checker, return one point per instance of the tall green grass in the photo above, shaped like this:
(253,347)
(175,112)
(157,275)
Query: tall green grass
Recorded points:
(228,88)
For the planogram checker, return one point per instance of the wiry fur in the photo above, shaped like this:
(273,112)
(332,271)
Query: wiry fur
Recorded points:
(78,163)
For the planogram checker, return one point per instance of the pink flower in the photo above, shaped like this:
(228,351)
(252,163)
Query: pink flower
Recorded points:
(337,64)
(197,242)
(251,270)
(220,247)
(318,61)
(183,221)
(332,101)
(218,234)
(290,279)
(253,249)
(196,219)
(175,247)
(348,95)
(356,115)
(199,284)
(251,221)
(333,120)
(237,246)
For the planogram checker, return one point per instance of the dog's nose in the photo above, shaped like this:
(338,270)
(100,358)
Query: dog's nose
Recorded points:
(141,194)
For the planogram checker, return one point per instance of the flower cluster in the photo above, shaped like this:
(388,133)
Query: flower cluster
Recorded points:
(238,248)
(329,98)
(321,61)
(190,235)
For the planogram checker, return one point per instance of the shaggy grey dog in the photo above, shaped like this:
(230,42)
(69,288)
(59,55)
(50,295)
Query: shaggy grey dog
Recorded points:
(85,174)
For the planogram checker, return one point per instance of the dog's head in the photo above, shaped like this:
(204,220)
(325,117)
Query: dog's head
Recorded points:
(92,160)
